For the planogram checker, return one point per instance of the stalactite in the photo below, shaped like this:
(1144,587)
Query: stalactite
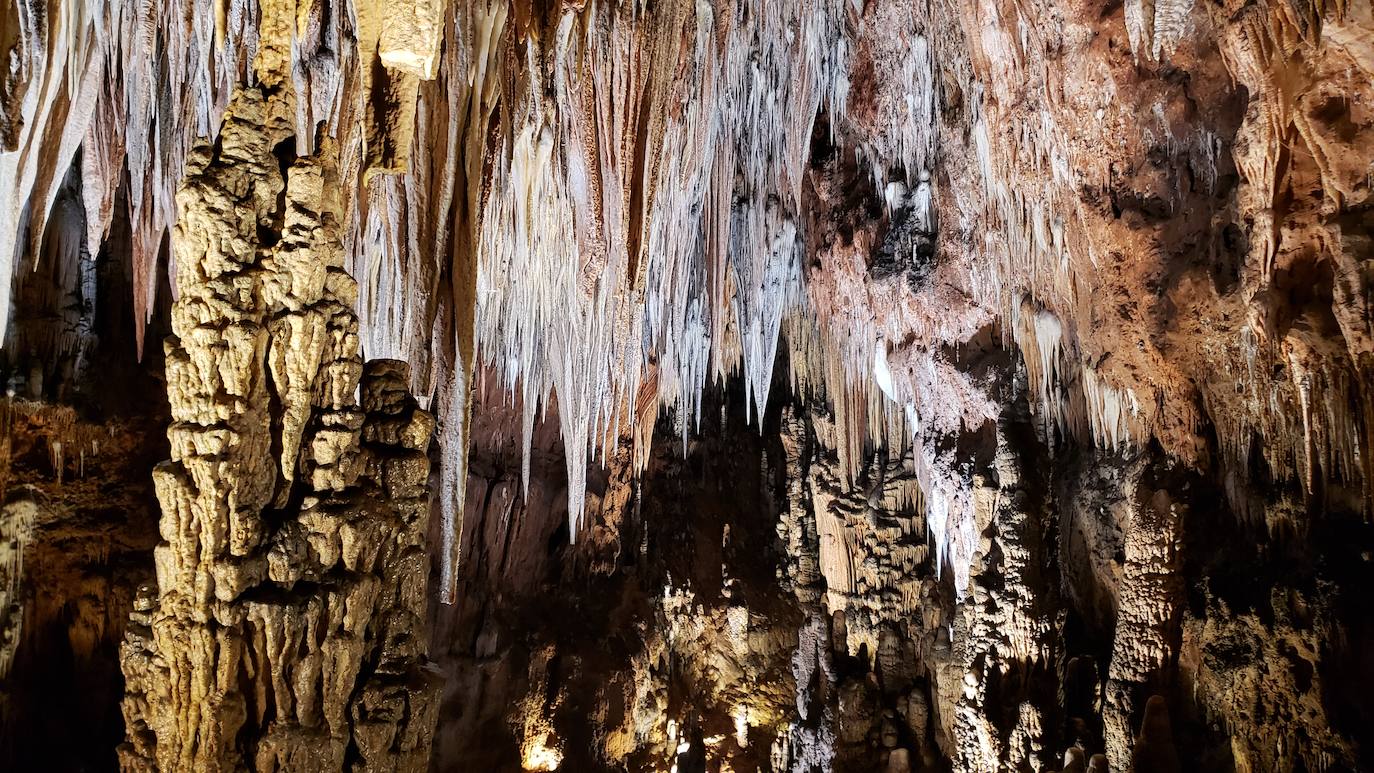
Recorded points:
(1149,219)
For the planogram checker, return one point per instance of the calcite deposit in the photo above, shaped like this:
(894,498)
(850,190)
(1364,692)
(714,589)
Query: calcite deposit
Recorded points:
(286,627)
(687,385)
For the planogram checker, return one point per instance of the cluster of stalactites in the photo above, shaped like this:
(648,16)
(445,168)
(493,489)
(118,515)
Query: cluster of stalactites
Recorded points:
(604,204)
(640,236)
(129,85)
(1290,392)
(124,89)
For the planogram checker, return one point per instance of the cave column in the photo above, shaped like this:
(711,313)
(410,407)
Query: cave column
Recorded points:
(1147,620)
(286,629)
(1009,629)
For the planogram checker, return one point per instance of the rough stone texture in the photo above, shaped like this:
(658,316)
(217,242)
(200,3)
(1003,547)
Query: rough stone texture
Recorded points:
(1147,618)
(1071,301)
(285,631)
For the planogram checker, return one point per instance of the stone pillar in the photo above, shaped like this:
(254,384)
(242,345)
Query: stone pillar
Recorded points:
(286,631)
(1147,620)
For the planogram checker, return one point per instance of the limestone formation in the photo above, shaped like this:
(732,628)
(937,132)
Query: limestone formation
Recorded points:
(285,630)
(16,531)
(813,384)
(1147,620)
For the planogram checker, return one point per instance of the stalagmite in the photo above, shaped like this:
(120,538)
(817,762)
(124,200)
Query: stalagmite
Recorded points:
(16,530)
(1147,622)
(283,630)
(1007,630)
